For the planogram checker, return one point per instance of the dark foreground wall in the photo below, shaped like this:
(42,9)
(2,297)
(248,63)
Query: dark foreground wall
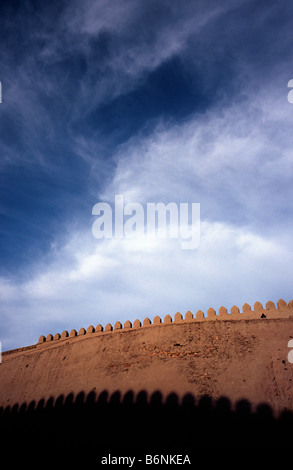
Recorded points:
(87,428)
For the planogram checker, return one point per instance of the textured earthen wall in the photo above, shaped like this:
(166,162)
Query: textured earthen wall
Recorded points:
(239,355)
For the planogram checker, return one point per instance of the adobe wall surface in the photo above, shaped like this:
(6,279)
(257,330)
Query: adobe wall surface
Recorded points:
(239,355)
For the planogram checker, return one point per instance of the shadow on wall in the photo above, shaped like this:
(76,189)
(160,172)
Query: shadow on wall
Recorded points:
(87,428)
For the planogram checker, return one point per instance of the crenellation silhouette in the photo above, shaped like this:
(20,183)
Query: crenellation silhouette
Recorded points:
(166,385)
(283,310)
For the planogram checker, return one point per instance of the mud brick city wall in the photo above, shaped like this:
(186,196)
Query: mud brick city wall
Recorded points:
(226,363)
(239,354)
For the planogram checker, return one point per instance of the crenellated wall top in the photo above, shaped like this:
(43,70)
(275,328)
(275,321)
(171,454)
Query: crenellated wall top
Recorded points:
(270,311)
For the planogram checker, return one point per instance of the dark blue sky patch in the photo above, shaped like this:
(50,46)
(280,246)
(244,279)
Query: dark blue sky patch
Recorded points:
(169,99)
(171,93)
(37,204)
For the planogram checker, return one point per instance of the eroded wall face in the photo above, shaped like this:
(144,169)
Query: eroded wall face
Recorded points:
(242,358)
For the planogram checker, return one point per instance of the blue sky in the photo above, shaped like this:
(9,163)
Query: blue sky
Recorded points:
(160,101)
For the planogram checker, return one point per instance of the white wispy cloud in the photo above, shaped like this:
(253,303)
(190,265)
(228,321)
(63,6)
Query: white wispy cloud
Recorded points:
(228,159)
(235,159)
(119,44)
(101,282)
